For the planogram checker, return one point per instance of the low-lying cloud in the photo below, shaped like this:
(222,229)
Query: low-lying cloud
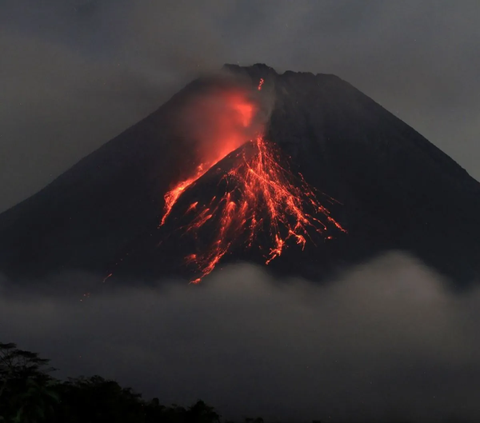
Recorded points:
(385,341)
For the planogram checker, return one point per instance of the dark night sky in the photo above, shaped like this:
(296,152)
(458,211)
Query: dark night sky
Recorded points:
(382,341)
(77,72)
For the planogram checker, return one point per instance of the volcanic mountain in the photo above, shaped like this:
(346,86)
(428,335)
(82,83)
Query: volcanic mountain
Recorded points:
(298,171)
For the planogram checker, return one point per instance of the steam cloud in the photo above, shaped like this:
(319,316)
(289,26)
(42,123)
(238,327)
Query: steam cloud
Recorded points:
(221,119)
(383,341)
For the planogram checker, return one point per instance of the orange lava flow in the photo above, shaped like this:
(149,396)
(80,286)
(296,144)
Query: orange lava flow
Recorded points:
(261,204)
(229,116)
(263,201)
(171,196)
(262,197)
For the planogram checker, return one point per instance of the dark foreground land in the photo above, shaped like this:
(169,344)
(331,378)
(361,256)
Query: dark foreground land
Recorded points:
(29,394)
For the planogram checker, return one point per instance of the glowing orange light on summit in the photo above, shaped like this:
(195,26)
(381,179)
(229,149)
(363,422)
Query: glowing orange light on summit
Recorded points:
(262,197)
(245,111)
(227,117)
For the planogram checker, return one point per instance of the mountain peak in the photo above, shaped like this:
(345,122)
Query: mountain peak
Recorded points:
(257,67)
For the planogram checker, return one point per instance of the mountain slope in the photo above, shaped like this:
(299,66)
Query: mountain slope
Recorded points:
(397,190)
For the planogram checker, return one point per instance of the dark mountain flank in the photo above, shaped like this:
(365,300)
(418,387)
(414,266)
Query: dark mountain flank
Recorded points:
(395,190)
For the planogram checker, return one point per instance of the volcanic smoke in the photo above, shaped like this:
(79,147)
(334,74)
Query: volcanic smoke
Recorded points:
(263,197)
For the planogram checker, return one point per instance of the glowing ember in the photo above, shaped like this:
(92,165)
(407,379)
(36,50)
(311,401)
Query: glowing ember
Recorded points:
(260,84)
(261,197)
(107,277)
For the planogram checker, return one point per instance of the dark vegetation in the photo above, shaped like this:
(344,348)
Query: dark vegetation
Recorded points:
(29,394)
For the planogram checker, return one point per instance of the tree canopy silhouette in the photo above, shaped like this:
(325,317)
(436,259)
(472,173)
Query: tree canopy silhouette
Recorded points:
(28,394)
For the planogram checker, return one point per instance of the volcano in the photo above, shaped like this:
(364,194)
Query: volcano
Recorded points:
(299,172)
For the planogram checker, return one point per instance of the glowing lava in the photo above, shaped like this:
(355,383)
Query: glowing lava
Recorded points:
(171,196)
(262,197)
(261,204)
(229,118)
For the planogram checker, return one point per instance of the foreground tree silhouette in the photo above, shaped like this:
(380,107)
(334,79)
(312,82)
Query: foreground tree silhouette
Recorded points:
(96,399)
(27,391)
(202,413)
(28,394)
(38,403)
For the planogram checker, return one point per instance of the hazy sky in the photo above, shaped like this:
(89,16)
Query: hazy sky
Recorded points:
(75,73)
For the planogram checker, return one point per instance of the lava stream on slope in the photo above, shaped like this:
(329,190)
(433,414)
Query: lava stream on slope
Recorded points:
(261,199)
(258,202)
